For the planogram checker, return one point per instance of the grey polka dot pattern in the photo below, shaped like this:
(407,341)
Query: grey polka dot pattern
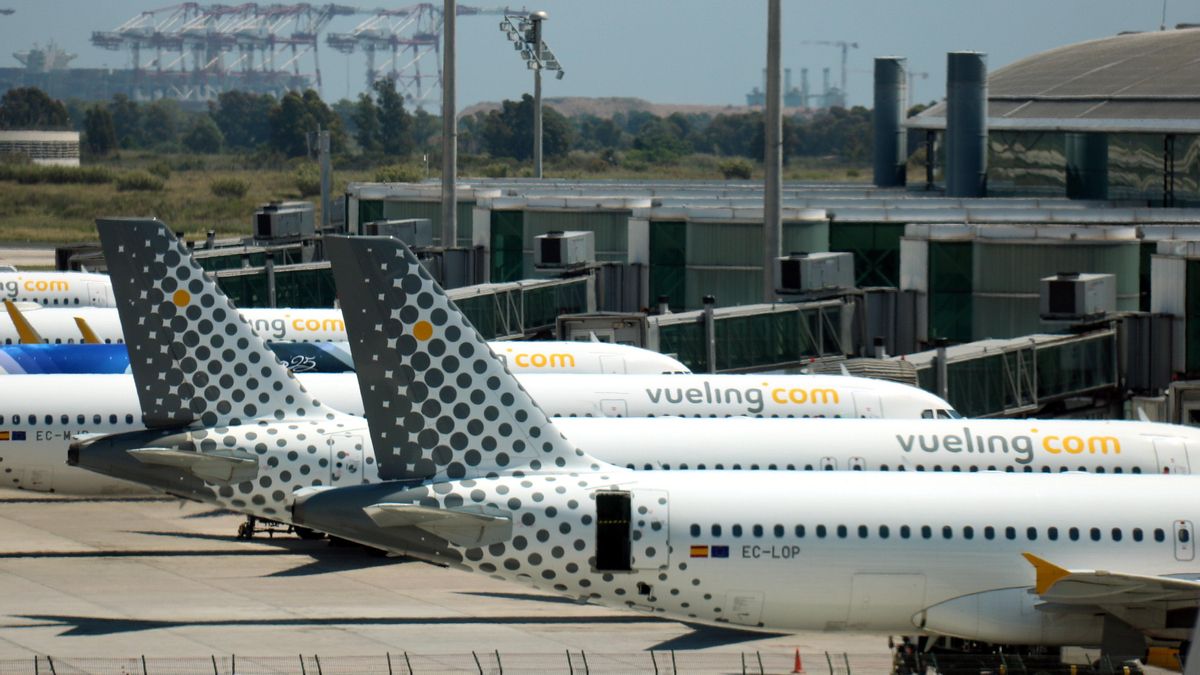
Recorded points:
(194,359)
(442,406)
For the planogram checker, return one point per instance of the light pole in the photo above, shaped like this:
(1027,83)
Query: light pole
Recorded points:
(525,32)
(449,127)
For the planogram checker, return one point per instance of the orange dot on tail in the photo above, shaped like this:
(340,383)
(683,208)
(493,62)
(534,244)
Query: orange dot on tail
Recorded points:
(423,330)
(181,298)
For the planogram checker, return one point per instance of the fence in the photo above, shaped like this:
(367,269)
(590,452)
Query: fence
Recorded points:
(567,662)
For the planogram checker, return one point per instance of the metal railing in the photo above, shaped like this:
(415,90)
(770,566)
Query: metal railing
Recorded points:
(572,662)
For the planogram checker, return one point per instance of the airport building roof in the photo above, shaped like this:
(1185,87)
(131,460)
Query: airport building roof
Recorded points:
(1129,83)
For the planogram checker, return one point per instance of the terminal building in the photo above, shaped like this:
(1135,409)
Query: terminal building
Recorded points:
(1048,263)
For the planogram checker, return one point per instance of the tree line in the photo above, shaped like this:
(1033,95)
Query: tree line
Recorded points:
(377,127)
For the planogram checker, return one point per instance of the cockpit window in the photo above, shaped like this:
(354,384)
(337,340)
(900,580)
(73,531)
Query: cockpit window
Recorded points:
(949,415)
(927,414)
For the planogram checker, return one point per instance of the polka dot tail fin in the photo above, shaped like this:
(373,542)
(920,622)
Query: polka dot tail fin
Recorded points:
(195,360)
(442,406)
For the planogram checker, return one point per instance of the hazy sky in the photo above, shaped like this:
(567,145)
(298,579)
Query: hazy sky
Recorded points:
(675,51)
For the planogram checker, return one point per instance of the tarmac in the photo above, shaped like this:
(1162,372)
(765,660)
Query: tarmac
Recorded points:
(165,578)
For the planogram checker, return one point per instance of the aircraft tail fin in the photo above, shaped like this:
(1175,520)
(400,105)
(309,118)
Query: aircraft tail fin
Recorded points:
(193,357)
(441,405)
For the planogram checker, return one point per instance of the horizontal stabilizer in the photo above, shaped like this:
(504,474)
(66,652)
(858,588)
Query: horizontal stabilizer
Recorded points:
(1100,587)
(464,528)
(212,468)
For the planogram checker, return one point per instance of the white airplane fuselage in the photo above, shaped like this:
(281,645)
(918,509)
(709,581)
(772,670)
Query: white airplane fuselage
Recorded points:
(41,413)
(58,289)
(898,553)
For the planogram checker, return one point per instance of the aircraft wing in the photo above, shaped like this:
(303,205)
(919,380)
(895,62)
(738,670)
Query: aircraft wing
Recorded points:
(1101,587)
(209,467)
(465,528)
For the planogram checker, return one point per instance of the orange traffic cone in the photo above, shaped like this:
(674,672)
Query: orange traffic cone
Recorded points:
(799,667)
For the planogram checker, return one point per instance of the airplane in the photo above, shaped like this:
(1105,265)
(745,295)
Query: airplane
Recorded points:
(41,355)
(544,357)
(40,415)
(477,477)
(57,289)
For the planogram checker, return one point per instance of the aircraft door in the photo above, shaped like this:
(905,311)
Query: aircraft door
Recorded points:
(867,405)
(97,295)
(613,531)
(612,365)
(345,458)
(1185,540)
(649,538)
(828,464)
(1172,456)
(614,407)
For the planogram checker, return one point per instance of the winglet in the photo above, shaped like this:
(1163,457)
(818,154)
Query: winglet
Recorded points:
(89,335)
(1047,573)
(25,331)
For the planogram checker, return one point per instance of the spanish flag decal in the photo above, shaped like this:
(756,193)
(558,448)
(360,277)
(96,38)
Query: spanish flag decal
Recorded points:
(699,551)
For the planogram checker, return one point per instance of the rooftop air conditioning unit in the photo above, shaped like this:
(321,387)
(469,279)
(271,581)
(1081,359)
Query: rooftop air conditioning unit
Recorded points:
(815,272)
(1069,296)
(284,220)
(564,250)
(416,232)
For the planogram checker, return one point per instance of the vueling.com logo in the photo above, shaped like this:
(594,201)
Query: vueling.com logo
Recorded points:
(14,288)
(753,398)
(1021,445)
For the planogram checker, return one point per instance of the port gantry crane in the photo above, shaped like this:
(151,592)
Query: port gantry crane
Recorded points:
(194,51)
(201,50)
(406,36)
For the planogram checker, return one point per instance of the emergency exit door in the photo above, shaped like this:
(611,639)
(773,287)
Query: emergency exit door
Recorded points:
(1172,456)
(867,405)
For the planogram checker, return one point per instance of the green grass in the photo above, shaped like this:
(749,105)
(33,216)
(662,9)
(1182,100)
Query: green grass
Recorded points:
(57,213)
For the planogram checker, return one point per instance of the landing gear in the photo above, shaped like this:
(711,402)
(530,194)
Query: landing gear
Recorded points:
(253,524)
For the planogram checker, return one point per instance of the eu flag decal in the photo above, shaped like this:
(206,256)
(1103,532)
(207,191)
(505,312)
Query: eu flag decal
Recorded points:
(720,551)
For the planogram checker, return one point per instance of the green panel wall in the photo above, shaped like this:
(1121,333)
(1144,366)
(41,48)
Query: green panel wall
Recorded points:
(950,273)
(1191,335)
(876,250)
(728,286)
(507,247)
(668,260)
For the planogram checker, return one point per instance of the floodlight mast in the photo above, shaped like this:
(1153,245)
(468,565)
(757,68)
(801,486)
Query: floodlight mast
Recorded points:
(525,32)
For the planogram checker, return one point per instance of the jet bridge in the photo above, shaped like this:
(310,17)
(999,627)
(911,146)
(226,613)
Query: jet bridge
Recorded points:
(1035,375)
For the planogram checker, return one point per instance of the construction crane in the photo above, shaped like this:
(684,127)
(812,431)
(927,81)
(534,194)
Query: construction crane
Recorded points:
(845,47)
(406,36)
(190,43)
